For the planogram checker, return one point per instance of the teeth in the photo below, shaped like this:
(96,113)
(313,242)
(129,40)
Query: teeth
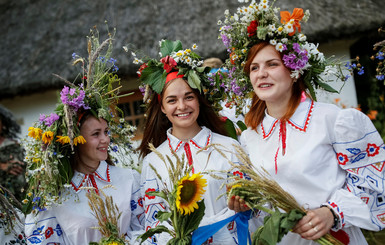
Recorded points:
(183,115)
(264,85)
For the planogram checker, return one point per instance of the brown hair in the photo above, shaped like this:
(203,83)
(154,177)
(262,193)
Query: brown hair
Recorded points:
(157,124)
(257,110)
(74,158)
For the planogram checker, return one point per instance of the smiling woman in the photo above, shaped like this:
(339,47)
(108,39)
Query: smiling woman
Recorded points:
(181,121)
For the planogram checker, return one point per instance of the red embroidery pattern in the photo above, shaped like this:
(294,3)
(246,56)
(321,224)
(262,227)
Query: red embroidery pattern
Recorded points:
(148,196)
(307,119)
(372,150)
(379,166)
(189,155)
(271,130)
(342,158)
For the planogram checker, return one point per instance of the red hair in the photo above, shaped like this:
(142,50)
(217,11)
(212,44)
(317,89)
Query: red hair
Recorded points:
(257,110)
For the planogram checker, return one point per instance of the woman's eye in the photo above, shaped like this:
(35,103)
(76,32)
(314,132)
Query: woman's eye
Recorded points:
(253,68)
(190,97)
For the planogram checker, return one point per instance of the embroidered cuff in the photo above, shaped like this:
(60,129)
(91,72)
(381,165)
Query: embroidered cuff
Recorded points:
(339,221)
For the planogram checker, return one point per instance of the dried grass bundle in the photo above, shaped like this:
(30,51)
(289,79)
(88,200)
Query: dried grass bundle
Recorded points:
(107,214)
(259,191)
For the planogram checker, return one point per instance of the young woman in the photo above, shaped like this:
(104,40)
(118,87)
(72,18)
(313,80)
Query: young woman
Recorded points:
(330,159)
(68,158)
(180,119)
(72,221)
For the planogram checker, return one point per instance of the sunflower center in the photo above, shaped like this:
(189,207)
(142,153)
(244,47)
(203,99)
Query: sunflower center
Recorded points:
(188,191)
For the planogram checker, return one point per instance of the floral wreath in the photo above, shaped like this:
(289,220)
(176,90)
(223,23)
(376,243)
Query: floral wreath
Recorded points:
(53,137)
(173,58)
(257,23)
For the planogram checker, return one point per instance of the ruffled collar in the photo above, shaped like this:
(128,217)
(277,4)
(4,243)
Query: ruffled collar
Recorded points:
(200,140)
(299,121)
(80,180)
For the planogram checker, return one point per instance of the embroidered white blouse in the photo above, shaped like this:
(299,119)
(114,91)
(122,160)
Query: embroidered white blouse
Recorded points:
(209,159)
(72,222)
(325,155)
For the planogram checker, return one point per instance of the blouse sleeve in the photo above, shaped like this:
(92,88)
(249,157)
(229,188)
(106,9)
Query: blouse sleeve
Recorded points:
(43,228)
(152,204)
(360,151)
(137,211)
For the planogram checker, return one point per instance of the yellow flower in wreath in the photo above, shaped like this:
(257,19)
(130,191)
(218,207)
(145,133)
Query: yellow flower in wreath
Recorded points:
(79,140)
(63,139)
(189,192)
(34,132)
(47,137)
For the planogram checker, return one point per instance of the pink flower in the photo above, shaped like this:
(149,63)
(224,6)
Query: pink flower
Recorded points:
(169,63)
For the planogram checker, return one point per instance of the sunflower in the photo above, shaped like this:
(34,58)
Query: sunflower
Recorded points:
(189,192)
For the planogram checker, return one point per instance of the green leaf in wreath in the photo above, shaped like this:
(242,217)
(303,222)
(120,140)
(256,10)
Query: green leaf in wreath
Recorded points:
(167,47)
(155,77)
(326,86)
(193,80)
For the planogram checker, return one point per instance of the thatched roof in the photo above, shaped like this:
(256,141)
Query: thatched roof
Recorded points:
(40,36)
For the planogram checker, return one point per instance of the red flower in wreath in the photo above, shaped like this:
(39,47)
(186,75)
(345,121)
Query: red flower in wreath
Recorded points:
(252,28)
(372,150)
(141,68)
(168,63)
(48,232)
(148,190)
(342,158)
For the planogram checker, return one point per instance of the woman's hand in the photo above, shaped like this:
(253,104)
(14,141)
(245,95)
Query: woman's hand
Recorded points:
(237,204)
(315,224)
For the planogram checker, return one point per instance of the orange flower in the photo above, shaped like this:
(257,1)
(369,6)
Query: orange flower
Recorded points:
(79,140)
(63,139)
(372,114)
(296,16)
(47,137)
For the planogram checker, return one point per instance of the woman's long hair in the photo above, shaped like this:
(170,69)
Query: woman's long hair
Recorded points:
(257,110)
(157,124)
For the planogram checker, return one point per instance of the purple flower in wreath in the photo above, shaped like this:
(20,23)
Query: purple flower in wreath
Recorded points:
(296,60)
(342,158)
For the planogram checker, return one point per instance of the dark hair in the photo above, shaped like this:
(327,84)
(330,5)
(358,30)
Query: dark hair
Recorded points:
(257,110)
(74,158)
(157,124)
(10,128)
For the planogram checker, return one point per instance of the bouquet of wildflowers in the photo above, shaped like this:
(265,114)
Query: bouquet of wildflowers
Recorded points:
(257,23)
(261,192)
(186,209)
(53,137)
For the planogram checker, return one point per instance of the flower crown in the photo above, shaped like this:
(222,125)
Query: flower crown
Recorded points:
(53,137)
(258,23)
(173,58)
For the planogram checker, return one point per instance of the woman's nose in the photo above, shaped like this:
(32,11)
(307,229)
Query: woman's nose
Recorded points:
(181,105)
(262,72)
